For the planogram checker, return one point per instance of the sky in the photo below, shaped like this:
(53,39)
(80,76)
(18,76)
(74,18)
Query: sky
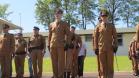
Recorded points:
(27,10)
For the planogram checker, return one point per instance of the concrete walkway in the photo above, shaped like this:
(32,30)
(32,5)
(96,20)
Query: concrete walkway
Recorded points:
(94,75)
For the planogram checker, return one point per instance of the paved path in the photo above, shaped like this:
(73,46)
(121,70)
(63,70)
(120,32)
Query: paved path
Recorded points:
(94,75)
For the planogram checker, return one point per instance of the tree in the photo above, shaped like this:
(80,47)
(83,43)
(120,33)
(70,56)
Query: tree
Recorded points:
(72,11)
(129,12)
(4,11)
(86,10)
(113,6)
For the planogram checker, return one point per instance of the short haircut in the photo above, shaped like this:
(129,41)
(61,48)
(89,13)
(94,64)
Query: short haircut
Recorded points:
(73,27)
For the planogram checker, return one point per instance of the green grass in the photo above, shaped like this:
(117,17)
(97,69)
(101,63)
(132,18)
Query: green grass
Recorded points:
(90,64)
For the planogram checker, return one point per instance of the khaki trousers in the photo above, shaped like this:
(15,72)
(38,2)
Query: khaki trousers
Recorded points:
(58,61)
(134,65)
(19,65)
(37,61)
(69,56)
(5,62)
(75,62)
(106,59)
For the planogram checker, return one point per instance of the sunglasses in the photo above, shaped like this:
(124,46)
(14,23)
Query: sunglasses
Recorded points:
(103,15)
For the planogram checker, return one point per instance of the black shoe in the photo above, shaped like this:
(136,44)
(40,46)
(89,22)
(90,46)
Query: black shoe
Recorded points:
(72,77)
(135,74)
(52,77)
(30,76)
(68,74)
(65,74)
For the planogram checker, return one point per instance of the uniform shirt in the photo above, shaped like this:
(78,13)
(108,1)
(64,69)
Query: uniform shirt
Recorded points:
(105,37)
(82,51)
(58,33)
(133,46)
(20,45)
(36,41)
(7,43)
(76,40)
(137,32)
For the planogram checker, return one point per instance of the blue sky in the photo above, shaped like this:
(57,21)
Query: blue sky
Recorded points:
(27,10)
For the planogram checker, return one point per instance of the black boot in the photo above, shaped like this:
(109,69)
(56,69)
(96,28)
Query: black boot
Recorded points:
(68,74)
(65,74)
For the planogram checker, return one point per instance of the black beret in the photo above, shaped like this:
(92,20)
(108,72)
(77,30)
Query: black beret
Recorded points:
(6,26)
(36,28)
(19,34)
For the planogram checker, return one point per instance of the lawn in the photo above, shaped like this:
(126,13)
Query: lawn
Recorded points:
(90,64)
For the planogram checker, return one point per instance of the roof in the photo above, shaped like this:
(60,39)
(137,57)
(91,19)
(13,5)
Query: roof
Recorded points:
(89,31)
(12,26)
(119,30)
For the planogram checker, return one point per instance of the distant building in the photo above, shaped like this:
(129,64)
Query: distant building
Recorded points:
(12,26)
(124,37)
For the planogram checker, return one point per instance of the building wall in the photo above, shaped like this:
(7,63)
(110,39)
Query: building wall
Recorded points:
(122,49)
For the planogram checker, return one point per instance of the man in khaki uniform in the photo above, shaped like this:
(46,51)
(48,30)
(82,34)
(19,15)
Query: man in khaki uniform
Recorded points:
(20,53)
(58,30)
(137,32)
(76,47)
(7,43)
(98,63)
(133,55)
(105,44)
(37,47)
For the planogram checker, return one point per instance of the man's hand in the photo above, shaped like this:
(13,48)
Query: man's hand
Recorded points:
(43,52)
(48,48)
(115,49)
(66,46)
(97,51)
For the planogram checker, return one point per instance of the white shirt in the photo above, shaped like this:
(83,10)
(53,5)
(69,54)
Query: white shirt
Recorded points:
(82,51)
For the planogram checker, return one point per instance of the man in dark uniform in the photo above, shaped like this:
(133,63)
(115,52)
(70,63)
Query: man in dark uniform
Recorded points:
(58,31)
(7,48)
(105,45)
(20,54)
(37,49)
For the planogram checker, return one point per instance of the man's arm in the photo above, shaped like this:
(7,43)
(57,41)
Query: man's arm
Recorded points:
(12,43)
(80,42)
(85,50)
(137,32)
(96,37)
(49,37)
(68,33)
(44,44)
(115,42)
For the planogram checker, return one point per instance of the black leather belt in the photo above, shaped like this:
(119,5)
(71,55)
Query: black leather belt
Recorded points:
(20,53)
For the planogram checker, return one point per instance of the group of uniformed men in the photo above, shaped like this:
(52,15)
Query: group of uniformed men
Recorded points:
(17,47)
(105,46)
(64,45)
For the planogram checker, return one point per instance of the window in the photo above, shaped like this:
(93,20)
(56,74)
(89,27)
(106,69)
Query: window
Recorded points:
(88,37)
(120,39)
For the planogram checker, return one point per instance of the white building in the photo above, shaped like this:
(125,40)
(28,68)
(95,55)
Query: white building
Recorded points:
(124,37)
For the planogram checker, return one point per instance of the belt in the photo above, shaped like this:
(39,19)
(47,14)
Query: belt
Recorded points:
(20,53)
